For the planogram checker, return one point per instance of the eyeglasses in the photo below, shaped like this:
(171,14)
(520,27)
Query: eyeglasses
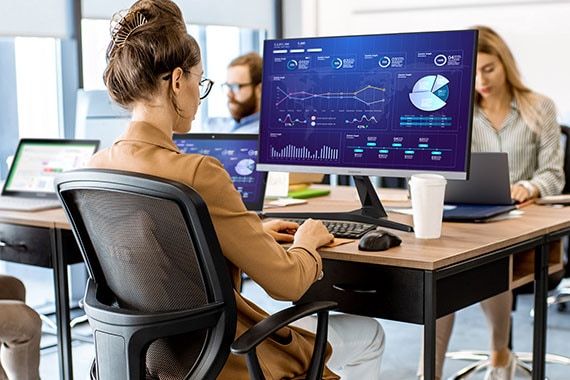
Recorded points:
(234,87)
(205,84)
(205,87)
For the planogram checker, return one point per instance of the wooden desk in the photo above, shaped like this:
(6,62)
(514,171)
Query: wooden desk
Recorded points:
(422,280)
(44,239)
(416,282)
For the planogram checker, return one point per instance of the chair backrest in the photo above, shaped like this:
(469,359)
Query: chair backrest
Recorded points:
(566,149)
(150,247)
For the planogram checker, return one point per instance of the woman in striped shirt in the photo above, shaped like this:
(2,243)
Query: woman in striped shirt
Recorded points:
(509,117)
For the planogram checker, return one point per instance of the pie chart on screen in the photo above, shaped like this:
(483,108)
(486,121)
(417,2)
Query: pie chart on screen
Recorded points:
(430,93)
(245,167)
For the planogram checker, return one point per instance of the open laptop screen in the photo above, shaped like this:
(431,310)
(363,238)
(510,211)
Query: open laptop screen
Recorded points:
(37,161)
(238,153)
(488,181)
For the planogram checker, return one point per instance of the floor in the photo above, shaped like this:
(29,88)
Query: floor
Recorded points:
(402,340)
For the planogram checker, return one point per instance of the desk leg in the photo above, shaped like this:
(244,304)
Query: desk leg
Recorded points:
(540,294)
(430,298)
(61,286)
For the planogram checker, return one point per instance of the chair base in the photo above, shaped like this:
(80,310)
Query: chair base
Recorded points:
(51,328)
(481,363)
(560,298)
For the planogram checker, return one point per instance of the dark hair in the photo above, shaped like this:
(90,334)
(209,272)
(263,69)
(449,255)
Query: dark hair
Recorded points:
(254,62)
(149,41)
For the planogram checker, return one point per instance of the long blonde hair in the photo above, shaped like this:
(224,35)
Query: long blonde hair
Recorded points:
(491,43)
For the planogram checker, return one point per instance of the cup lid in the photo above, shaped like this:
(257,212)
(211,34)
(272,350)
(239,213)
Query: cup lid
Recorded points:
(428,178)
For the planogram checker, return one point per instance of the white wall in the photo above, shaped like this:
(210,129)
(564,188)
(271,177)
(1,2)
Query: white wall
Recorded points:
(538,32)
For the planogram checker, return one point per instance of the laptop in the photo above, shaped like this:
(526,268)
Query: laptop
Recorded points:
(29,185)
(485,194)
(238,153)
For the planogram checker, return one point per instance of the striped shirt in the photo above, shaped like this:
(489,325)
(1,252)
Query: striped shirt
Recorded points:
(534,157)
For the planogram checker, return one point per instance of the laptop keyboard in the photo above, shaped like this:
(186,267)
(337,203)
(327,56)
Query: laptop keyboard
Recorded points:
(27,204)
(343,229)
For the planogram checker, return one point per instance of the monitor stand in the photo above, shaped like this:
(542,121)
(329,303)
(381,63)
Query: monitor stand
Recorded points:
(371,211)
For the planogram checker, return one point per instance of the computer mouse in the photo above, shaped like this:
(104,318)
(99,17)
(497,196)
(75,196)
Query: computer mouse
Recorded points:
(378,240)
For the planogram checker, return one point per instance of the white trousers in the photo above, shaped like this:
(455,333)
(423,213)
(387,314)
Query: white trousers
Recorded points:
(357,342)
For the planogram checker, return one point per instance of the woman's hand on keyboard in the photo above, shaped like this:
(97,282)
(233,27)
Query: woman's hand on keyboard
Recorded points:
(312,234)
(282,231)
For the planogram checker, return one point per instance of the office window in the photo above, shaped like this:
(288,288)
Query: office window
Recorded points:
(96,37)
(219,45)
(30,99)
(38,90)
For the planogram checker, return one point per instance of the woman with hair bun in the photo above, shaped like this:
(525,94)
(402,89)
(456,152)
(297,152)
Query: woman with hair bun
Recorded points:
(154,69)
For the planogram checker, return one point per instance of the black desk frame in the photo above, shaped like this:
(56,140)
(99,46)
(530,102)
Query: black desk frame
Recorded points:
(360,288)
(60,261)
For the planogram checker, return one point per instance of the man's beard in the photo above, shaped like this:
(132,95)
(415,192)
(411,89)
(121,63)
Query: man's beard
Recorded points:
(239,110)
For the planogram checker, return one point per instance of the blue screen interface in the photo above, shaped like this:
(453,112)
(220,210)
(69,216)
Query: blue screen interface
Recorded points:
(356,104)
(238,153)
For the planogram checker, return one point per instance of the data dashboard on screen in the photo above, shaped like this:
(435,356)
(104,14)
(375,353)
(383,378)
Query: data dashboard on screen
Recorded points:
(362,105)
(385,105)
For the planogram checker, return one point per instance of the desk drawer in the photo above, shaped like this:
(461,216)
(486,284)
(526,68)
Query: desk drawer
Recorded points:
(397,293)
(371,290)
(25,244)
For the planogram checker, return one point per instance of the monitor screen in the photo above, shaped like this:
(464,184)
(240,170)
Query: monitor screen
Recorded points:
(38,161)
(238,154)
(383,105)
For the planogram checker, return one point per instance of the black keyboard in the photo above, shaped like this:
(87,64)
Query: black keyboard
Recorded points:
(343,229)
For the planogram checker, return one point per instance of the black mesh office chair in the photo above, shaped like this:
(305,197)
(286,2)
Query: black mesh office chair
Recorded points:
(524,359)
(159,298)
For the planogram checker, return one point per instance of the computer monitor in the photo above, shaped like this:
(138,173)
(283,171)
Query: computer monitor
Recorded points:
(383,105)
(237,152)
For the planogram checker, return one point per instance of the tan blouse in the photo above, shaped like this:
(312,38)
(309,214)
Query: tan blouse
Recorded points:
(284,274)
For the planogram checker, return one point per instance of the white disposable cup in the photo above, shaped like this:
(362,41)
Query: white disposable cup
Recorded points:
(427,192)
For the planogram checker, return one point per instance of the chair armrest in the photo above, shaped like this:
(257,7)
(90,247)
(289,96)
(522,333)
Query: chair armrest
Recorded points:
(263,329)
